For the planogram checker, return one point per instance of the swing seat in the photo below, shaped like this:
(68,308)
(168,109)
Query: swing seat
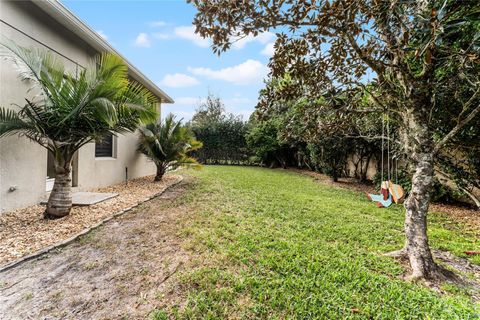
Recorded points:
(397,193)
(384,199)
(375,197)
(385,203)
(383,196)
(384,189)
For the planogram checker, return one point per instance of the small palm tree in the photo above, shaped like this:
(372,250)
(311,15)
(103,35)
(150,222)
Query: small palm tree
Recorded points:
(167,144)
(72,110)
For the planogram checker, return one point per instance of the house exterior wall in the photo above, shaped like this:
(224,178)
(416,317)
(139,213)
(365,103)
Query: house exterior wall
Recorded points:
(23,164)
(100,172)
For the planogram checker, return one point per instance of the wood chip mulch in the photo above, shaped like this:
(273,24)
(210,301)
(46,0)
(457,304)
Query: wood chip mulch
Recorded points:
(25,231)
(467,216)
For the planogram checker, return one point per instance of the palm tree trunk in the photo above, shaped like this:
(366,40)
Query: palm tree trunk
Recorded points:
(160,173)
(60,201)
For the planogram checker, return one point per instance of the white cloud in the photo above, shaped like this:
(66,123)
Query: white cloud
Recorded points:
(248,72)
(142,40)
(160,35)
(188,33)
(262,38)
(178,80)
(184,112)
(269,50)
(102,34)
(184,115)
(154,24)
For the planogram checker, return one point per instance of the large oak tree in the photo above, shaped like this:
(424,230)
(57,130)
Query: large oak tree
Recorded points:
(405,47)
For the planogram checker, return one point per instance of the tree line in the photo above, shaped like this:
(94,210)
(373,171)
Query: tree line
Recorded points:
(297,135)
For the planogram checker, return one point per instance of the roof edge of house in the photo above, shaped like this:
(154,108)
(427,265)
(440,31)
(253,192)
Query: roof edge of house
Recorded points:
(68,19)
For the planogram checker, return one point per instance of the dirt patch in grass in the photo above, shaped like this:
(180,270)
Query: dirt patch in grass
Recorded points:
(25,230)
(468,216)
(455,275)
(121,270)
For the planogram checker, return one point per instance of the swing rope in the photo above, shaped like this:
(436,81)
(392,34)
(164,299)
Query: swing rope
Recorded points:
(392,192)
(396,170)
(383,136)
(396,163)
(388,146)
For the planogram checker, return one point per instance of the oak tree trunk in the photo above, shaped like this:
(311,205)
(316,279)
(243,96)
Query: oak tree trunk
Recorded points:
(60,201)
(416,246)
(416,206)
(334,176)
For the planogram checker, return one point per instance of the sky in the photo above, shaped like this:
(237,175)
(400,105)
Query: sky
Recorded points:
(157,36)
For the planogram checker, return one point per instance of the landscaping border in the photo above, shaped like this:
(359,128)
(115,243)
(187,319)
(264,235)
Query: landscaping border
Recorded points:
(67,241)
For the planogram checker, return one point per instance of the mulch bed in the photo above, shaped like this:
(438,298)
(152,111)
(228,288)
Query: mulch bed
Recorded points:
(123,270)
(467,216)
(25,231)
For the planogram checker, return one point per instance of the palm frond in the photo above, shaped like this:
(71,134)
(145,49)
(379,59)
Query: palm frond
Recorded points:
(31,63)
(11,123)
(140,100)
(75,108)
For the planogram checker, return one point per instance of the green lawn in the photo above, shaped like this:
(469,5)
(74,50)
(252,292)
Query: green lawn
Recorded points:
(272,244)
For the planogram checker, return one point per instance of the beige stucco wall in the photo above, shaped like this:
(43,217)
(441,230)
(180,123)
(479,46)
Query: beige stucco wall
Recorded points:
(23,164)
(99,172)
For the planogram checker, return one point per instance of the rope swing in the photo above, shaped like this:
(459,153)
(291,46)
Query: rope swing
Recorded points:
(389,192)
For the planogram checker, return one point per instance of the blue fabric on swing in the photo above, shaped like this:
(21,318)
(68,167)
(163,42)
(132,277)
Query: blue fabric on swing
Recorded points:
(375,197)
(386,203)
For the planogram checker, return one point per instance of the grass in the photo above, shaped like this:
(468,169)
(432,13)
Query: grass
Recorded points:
(271,244)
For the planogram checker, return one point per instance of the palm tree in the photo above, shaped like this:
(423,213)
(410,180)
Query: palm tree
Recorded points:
(72,110)
(167,144)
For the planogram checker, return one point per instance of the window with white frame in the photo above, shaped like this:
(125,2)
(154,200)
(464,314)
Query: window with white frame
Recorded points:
(105,147)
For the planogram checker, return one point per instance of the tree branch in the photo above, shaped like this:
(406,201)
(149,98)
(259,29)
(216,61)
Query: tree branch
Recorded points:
(370,62)
(370,138)
(469,102)
(456,129)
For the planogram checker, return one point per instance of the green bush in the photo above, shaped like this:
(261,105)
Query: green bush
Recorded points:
(222,134)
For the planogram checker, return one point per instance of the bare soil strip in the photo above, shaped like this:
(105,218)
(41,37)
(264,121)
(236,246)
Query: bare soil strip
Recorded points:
(25,231)
(122,269)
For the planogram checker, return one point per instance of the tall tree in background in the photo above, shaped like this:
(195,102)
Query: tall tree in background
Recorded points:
(72,110)
(407,47)
(212,110)
(324,135)
(222,133)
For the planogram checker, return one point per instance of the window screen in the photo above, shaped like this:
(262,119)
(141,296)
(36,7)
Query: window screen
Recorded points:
(104,148)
